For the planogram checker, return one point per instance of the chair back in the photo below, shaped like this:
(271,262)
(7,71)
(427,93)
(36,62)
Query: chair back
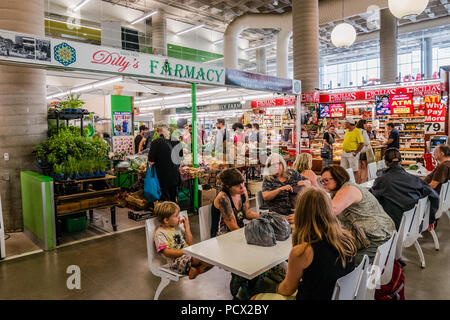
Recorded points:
(351,174)
(372,168)
(259,200)
(426,217)
(204,219)
(412,233)
(447,198)
(442,196)
(405,224)
(380,272)
(155,261)
(348,286)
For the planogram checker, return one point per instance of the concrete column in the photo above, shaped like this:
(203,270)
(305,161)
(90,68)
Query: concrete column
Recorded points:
(23,111)
(261,61)
(427,57)
(388,46)
(283,53)
(305,23)
(111,34)
(159,33)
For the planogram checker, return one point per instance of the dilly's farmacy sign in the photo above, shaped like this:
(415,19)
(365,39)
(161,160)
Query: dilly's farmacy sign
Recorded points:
(23,48)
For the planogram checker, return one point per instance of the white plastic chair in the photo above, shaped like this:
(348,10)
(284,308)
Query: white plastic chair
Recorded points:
(204,220)
(414,230)
(442,197)
(351,286)
(380,273)
(447,200)
(351,174)
(372,170)
(405,224)
(441,209)
(259,200)
(156,262)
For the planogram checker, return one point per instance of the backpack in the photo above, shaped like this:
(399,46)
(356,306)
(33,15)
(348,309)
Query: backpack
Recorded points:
(395,289)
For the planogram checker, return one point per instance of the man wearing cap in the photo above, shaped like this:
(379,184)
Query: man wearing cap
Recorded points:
(398,191)
(353,143)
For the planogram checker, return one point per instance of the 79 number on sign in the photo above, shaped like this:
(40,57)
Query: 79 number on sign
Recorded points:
(434,127)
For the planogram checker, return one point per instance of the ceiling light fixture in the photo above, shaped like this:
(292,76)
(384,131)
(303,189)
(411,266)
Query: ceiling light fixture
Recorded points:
(407,8)
(73,24)
(190,29)
(78,6)
(182,95)
(261,46)
(87,87)
(344,34)
(145,16)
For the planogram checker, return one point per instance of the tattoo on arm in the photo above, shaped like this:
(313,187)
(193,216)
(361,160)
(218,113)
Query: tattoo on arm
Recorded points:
(225,208)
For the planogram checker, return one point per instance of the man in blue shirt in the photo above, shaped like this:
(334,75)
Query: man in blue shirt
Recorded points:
(394,137)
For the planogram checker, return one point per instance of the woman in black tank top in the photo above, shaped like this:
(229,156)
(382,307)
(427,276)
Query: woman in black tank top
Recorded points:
(229,209)
(231,205)
(322,251)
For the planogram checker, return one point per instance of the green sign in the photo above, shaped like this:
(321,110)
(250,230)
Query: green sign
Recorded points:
(186,71)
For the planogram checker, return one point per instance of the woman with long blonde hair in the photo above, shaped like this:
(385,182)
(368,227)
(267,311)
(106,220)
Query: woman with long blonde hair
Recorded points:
(322,250)
(303,165)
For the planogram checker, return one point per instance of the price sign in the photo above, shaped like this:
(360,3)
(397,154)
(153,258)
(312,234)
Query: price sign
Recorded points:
(435,115)
(434,127)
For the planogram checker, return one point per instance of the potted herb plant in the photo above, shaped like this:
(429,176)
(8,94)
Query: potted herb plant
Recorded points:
(72,104)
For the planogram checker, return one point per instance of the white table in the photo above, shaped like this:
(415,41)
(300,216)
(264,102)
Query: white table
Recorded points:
(367,184)
(415,173)
(231,252)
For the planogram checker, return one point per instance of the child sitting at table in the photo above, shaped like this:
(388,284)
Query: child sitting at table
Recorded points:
(170,240)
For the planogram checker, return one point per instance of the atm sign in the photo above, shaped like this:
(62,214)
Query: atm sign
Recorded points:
(401,103)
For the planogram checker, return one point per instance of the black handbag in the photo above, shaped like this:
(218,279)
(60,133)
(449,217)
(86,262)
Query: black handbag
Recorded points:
(325,154)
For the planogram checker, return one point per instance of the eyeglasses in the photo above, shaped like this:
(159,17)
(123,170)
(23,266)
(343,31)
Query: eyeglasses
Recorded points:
(327,180)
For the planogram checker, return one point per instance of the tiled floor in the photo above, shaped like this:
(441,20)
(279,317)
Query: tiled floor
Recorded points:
(115,267)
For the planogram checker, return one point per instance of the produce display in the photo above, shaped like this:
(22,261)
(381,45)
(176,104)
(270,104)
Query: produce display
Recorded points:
(67,155)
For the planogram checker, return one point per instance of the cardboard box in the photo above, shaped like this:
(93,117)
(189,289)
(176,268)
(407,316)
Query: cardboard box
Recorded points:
(207,196)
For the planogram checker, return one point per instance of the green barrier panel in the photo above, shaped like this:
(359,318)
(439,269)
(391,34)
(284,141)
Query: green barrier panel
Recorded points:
(38,209)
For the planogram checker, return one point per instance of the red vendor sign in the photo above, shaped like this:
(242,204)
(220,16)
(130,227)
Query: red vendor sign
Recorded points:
(435,112)
(370,94)
(337,110)
(288,101)
(401,103)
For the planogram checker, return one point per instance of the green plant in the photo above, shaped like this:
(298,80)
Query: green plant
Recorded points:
(72,101)
(58,169)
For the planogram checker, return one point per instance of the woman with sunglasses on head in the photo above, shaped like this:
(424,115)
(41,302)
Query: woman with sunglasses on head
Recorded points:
(351,202)
(280,184)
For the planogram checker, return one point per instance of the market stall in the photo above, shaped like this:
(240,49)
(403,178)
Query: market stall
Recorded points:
(406,105)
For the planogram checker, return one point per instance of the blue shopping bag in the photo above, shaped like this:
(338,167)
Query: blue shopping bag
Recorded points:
(152,190)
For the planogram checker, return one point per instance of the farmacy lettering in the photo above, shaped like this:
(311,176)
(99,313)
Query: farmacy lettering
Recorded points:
(183,71)
(111,58)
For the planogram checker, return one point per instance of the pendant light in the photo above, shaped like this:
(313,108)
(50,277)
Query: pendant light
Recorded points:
(406,8)
(344,34)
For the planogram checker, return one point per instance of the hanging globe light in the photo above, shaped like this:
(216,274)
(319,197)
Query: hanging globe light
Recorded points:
(343,35)
(406,8)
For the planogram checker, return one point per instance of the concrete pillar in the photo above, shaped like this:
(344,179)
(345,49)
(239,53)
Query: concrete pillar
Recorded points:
(23,111)
(305,23)
(388,46)
(159,33)
(427,58)
(261,61)
(283,53)
(111,34)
